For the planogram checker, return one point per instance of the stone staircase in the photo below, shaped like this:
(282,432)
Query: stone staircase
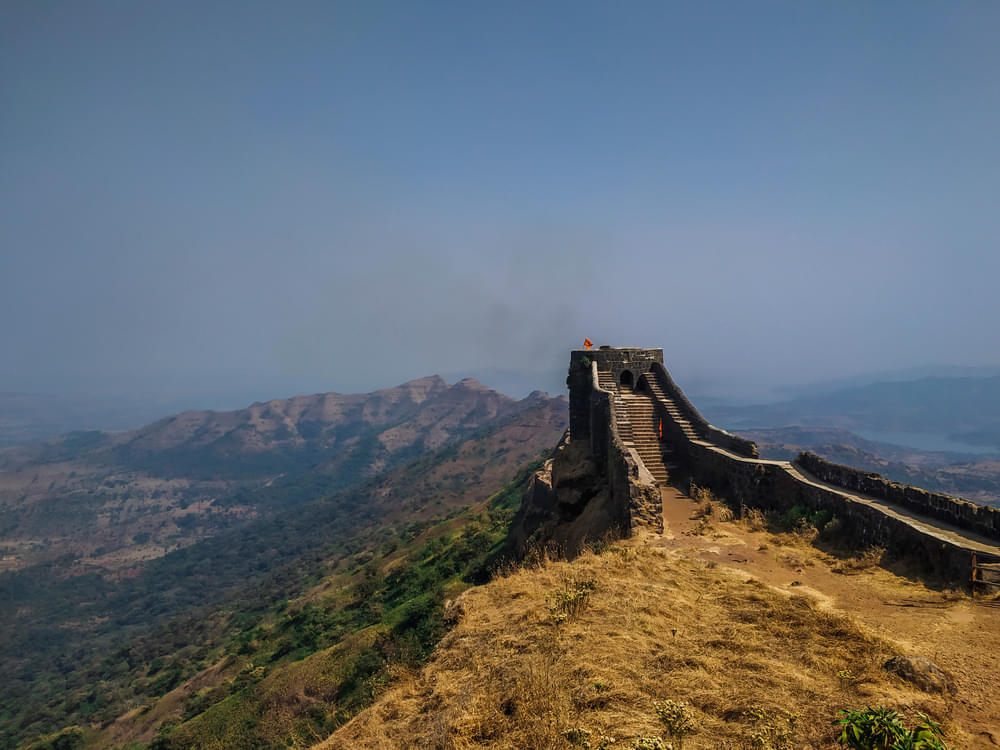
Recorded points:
(672,409)
(645,439)
(637,426)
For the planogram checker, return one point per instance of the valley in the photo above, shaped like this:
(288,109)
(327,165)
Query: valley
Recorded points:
(322,572)
(81,642)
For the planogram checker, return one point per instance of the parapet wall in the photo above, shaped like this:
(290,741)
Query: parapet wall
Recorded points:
(979,519)
(777,486)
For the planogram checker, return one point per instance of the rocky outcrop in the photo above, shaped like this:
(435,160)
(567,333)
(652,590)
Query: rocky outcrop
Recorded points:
(567,503)
(921,672)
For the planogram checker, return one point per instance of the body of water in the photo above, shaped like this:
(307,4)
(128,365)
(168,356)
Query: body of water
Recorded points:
(925,441)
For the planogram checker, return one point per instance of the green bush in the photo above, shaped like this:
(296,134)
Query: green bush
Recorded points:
(799,517)
(883,729)
(67,739)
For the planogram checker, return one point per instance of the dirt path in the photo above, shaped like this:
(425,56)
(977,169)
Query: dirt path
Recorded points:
(958,633)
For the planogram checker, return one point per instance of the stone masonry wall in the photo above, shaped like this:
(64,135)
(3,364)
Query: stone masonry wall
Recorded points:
(771,485)
(615,361)
(579,383)
(639,496)
(594,484)
(980,519)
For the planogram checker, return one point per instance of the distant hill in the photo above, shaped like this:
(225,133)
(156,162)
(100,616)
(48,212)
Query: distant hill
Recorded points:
(30,417)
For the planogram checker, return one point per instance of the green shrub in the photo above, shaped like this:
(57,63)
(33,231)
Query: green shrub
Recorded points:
(578,737)
(68,739)
(800,518)
(883,729)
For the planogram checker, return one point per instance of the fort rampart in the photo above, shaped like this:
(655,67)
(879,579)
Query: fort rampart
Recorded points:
(905,520)
(979,519)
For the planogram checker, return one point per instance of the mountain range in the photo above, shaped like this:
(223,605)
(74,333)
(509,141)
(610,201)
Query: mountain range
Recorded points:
(111,499)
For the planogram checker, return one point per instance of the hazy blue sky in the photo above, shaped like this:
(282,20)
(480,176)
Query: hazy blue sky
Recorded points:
(270,197)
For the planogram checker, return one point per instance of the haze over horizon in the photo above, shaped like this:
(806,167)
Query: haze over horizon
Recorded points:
(272,199)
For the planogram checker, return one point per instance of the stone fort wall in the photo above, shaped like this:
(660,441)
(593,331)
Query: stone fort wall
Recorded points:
(728,465)
(979,519)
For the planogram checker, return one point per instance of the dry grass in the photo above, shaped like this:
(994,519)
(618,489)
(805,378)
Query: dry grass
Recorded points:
(656,626)
(866,560)
(752,519)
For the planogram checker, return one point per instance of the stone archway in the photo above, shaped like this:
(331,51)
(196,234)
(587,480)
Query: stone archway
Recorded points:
(625,380)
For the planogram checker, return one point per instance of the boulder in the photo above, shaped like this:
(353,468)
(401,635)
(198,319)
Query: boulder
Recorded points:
(921,672)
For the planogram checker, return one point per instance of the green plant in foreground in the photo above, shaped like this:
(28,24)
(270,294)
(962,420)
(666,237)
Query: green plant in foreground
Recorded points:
(677,719)
(578,737)
(883,729)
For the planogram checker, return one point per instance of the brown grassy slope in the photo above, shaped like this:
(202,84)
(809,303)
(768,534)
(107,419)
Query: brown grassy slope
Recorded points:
(661,624)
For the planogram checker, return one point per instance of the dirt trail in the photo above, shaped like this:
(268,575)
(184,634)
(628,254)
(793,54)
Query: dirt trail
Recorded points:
(958,633)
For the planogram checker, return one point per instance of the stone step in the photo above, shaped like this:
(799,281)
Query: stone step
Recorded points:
(637,423)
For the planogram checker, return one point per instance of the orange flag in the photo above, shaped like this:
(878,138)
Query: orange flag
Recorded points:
(587,343)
